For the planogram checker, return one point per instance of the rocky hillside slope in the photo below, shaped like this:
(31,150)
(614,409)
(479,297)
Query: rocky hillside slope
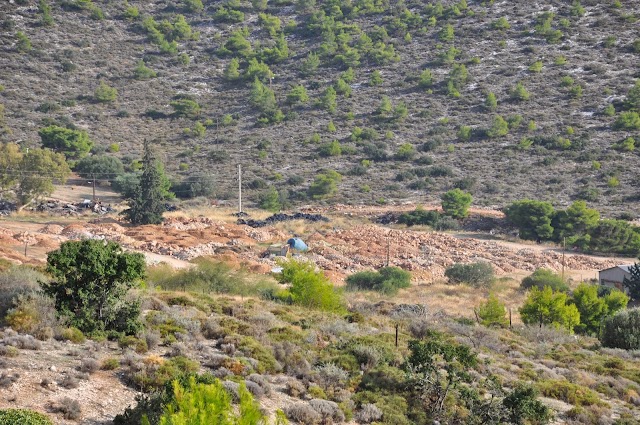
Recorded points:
(560,73)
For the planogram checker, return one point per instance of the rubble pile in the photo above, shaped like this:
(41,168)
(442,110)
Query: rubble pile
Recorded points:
(366,246)
(278,218)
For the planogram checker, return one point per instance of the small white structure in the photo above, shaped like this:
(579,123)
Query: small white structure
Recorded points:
(614,276)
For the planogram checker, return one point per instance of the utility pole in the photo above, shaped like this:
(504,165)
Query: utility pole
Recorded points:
(94,187)
(388,248)
(564,247)
(239,188)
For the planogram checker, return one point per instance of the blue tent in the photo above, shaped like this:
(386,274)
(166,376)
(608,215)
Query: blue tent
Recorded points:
(297,244)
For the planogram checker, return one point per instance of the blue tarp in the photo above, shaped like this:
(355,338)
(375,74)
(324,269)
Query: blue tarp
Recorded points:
(297,244)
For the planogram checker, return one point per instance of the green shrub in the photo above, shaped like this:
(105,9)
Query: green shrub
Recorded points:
(569,393)
(310,287)
(628,120)
(493,312)
(74,335)
(478,274)
(105,93)
(110,363)
(455,203)
(622,330)
(551,308)
(325,184)
(499,127)
(23,417)
(543,277)
(387,280)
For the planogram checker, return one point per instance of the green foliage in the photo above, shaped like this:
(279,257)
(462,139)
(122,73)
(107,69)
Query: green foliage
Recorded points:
(574,222)
(105,93)
(297,94)
(194,6)
(270,200)
(328,100)
(375,79)
(405,152)
(387,280)
(523,407)
(259,70)
(491,103)
(425,80)
(103,167)
(626,145)
(501,24)
(72,143)
(519,92)
(131,13)
(270,23)
(325,185)
(499,127)
(622,330)
(456,203)
(632,283)
(342,87)
(569,392)
(544,277)
(613,236)
(446,34)
(493,312)
(91,279)
(232,71)
(264,99)
(532,218)
(550,308)
(32,174)
(203,404)
(330,149)
(143,72)
(478,274)
(45,9)
(309,287)
(536,66)
(310,65)
(146,203)
(436,367)
(238,44)
(632,101)
(185,107)
(464,133)
(595,309)
(628,120)
(23,44)
(428,218)
(23,417)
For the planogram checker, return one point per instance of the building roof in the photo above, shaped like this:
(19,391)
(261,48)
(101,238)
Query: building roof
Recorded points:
(624,267)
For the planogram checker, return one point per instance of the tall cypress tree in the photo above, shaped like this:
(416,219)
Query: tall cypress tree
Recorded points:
(633,283)
(148,201)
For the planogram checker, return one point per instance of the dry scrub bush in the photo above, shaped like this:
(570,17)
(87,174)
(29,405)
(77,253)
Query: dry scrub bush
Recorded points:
(233,388)
(7,379)
(368,413)
(295,388)
(328,410)
(331,376)
(261,381)
(69,408)
(69,382)
(23,342)
(254,389)
(89,365)
(303,414)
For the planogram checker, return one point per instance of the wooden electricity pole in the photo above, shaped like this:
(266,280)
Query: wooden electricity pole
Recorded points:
(564,248)
(94,188)
(239,188)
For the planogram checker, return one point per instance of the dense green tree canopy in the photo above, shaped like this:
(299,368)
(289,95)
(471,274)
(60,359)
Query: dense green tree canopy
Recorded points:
(73,144)
(456,203)
(91,279)
(102,167)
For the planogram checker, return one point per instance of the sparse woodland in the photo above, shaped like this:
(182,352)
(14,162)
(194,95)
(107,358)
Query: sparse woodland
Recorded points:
(527,106)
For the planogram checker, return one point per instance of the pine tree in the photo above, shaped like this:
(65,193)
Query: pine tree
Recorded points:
(147,203)
(633,283)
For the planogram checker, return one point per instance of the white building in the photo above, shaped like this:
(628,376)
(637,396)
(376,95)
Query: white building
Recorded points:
(614,276)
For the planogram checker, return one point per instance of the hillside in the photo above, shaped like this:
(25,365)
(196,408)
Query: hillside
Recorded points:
(576,63)
(223,315)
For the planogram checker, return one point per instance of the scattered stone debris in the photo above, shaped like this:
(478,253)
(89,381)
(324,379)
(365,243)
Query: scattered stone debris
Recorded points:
(277,218)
